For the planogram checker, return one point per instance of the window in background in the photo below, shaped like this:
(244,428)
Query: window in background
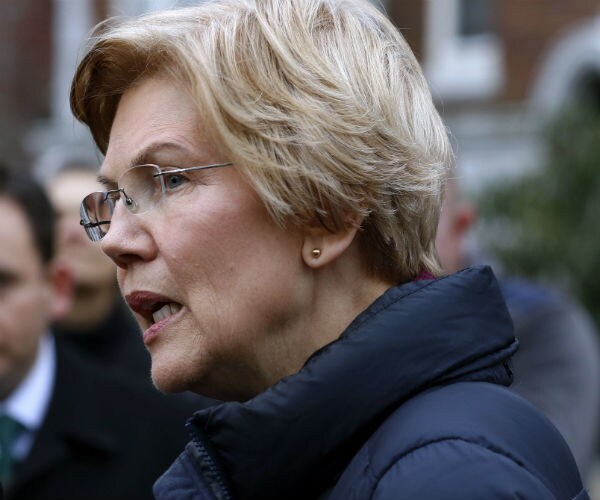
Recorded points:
(475,17)
(463,58)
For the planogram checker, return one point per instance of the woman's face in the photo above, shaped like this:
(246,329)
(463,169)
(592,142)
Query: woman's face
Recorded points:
(220,291)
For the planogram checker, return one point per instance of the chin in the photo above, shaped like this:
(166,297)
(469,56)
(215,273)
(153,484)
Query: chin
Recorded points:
(172,377)
(168,381)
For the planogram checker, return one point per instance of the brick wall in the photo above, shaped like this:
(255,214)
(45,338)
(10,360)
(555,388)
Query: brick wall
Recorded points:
(410,18)
(528,29)
(25,62)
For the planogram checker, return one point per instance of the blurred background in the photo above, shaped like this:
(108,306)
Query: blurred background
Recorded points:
(503,72)
(517,82)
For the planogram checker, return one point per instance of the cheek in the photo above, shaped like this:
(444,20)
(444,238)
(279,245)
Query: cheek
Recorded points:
(227,259)
(200,262)
(208,239)
(23,318)
(120,276)
(221,247)
(244,283)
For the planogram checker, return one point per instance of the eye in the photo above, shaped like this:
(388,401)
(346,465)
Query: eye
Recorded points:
(7,280)
(174,181)
(112,196)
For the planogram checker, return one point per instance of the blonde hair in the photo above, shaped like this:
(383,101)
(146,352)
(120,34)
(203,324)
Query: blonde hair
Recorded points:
(320,103)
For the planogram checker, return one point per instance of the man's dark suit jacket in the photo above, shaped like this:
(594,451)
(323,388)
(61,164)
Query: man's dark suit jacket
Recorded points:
(103,437)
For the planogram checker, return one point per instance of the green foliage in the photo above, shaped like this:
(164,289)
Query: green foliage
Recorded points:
(546,225)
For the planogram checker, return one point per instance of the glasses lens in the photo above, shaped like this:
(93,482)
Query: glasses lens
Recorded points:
(96,210)
(142,188)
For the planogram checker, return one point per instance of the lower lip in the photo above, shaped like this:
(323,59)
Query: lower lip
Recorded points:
(154,331)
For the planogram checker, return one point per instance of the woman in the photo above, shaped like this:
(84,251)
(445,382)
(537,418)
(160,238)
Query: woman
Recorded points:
(274,171)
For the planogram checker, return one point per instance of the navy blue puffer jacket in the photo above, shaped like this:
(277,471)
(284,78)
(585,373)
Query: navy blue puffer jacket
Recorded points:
(408,403)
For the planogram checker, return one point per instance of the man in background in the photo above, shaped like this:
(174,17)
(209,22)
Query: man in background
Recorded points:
(69,428)
(98,324)
(557,366)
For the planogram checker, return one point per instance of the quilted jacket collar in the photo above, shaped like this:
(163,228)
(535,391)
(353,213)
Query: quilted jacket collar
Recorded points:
(295,439)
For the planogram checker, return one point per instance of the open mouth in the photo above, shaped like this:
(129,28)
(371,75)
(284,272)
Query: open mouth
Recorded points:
(151,306)
(164,311)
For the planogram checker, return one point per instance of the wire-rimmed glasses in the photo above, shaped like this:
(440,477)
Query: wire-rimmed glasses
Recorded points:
(140,188)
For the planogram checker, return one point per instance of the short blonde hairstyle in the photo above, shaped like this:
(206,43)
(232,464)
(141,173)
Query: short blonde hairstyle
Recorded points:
(319,103)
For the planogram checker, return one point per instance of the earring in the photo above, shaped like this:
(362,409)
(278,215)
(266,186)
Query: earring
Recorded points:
(316,253)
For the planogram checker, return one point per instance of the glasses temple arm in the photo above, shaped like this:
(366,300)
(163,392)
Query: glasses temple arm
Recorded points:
(88,225)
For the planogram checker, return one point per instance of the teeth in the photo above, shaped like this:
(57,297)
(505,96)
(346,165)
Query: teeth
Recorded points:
(165,311)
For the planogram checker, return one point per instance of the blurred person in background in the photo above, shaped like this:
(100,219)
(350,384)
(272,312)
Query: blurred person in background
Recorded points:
(557,366)
(99,323)
(68,427)
(272,179)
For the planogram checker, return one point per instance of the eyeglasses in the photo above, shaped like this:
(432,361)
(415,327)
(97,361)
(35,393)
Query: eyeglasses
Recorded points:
(141,188)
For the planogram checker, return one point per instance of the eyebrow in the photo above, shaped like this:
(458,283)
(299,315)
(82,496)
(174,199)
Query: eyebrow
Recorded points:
(146,155)
(8,276)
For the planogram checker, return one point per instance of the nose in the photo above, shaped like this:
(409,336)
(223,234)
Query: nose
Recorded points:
(128,239)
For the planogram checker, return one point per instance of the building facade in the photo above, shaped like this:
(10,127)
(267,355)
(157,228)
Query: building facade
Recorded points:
(496,69)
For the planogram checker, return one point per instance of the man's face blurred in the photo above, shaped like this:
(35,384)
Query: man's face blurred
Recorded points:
(448,240)
(91,268)
(456,218)
(25,296)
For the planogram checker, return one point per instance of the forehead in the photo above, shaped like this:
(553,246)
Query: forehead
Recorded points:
(157,121)
(17,248)
(68,188)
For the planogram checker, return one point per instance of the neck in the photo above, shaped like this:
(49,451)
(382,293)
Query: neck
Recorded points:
(339,300)
(10,380)
(337,294)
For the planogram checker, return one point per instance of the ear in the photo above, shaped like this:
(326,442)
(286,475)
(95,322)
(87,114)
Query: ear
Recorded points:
(464,218)
(322,246)
(62,285)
